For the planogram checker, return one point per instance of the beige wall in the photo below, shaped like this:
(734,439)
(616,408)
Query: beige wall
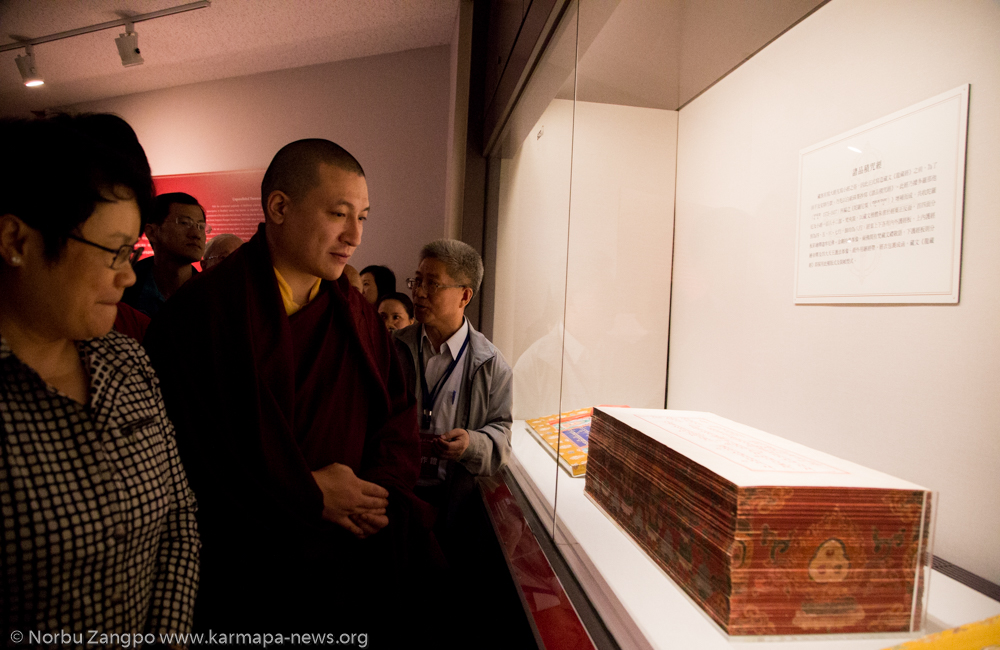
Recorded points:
(910,390)
(391,111)
(620,221)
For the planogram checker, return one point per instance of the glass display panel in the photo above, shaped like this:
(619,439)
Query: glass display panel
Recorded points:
(621,211)
(535,157)
(585,230)
(585,237)
(585,233)
(619,248)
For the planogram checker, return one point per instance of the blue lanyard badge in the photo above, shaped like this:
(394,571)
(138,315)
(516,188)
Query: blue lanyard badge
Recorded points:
(429,397)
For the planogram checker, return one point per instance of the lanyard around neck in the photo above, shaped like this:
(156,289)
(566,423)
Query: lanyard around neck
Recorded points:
(429,397)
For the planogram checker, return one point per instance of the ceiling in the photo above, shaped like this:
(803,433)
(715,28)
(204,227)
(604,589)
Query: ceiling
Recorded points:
(229,39)
(648,53)
(663,53)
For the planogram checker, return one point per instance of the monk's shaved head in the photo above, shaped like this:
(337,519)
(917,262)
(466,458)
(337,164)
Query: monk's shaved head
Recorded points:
(294,170)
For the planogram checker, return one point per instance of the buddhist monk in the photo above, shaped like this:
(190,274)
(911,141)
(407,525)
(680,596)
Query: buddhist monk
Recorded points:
(292,415)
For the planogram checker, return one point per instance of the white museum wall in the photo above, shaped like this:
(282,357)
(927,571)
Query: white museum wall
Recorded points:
(391,111)
(619,232)
(531,257)
(620,240)
(911,390)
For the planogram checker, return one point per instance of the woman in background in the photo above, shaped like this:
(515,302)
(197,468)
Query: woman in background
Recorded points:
(377,281)
(396,310)
(98,520)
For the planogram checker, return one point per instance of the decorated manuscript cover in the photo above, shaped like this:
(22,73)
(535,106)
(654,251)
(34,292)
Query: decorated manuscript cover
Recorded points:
(574,442)
(769,537)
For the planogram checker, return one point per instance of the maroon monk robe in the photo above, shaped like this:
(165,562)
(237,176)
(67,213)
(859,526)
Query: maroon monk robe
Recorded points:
(131,322)
(259,400)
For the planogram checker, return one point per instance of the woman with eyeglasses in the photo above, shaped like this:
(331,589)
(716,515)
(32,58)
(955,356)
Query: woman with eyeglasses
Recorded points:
(98,529)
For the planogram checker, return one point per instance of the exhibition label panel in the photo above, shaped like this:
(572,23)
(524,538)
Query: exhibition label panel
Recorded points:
(880,208)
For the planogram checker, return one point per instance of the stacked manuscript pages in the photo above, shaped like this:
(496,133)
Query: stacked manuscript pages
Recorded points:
(769,537)
(574,428)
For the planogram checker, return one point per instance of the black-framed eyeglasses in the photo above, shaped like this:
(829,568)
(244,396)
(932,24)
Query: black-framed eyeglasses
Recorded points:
(189,223)
(430,287)
(128,253)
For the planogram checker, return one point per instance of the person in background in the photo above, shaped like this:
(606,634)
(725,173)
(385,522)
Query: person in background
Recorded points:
(353,277)
(396,310)
(98,520)
(377,281)
(462,384)
(218,249)
(176,231)
(293,417)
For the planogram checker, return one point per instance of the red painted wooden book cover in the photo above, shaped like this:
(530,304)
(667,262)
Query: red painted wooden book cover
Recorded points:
(768,537)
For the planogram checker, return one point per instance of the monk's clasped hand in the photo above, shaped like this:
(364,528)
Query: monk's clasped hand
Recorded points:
(350,502)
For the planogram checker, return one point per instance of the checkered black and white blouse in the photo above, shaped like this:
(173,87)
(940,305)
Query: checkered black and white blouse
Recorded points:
(99,527)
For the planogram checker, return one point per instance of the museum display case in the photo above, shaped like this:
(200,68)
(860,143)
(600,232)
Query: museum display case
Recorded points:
(583,182)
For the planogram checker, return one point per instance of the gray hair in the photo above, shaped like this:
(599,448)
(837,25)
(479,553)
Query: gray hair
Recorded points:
(219,239)
(461,261)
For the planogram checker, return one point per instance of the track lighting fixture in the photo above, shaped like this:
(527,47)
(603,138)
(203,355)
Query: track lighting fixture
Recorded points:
(26,66)
(128,43)
(128,46)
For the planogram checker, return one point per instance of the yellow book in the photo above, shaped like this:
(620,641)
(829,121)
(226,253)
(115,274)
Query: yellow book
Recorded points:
(984,635)
(574,427)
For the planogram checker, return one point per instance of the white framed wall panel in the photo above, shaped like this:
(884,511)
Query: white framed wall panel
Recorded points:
(880,208)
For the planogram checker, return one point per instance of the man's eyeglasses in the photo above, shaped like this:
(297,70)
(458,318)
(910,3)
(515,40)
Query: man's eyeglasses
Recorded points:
(429,287)
(129,253)
(189,223)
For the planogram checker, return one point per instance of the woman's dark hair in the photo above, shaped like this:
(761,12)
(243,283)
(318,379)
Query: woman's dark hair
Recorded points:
(56,170)
(402,298)
(385,279)
(116,133)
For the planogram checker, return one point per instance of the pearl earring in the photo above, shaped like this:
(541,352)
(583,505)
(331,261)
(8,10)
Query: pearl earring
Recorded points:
(15,260)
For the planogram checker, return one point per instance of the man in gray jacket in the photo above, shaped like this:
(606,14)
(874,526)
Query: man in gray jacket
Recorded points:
(462,383)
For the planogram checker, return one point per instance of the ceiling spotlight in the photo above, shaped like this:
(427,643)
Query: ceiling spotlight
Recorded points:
(128,46)
(26,66)
(128,43)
